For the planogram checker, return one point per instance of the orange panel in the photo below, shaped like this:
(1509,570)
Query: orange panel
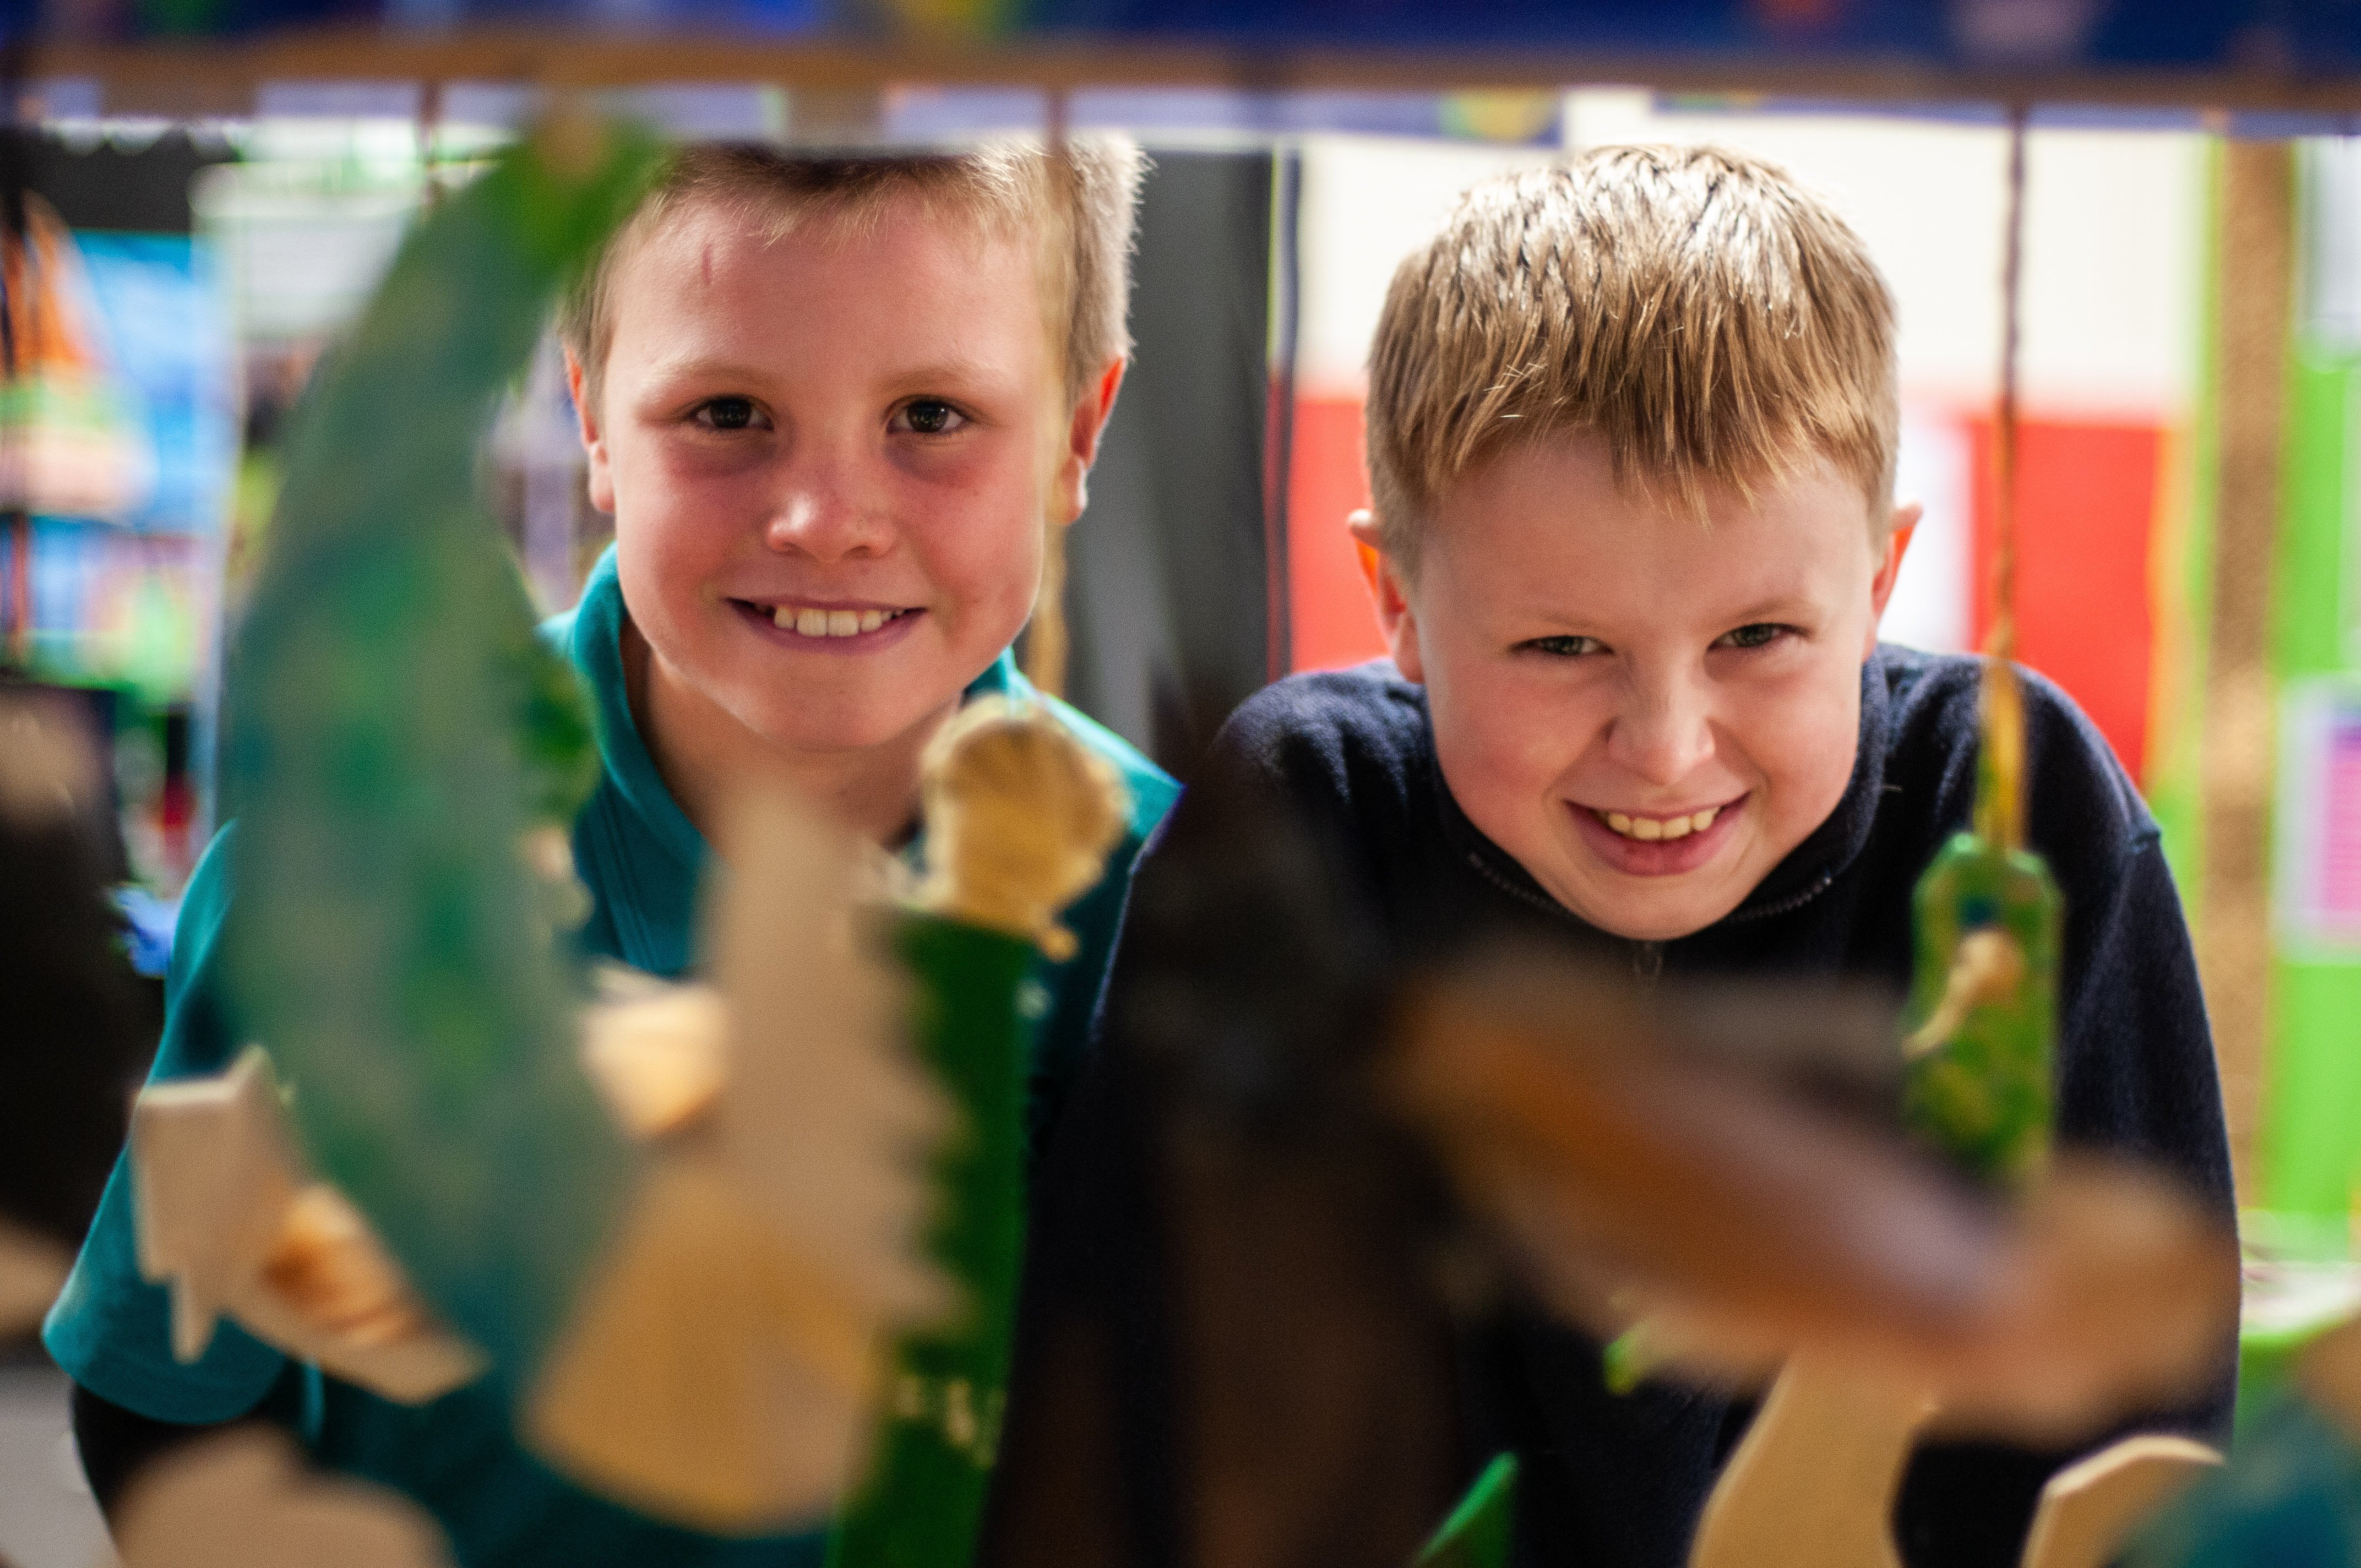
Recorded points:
(2087,512)
(1331,622)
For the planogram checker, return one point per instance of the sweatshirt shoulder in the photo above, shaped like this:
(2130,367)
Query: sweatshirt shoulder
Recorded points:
(2081,804)
(1340,731)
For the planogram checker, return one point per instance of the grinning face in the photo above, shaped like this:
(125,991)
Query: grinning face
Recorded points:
(1647,710)
(831,458)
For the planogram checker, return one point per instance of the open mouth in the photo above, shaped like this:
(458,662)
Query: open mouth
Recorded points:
(1656,829)
(820,622)
(1662,843)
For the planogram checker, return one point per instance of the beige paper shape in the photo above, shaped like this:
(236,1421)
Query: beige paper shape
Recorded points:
(2090,1508)
(656,1053)
(1813,1482)
(710,1374)
(245,1500)
(826,1121)
(216,1183)
(722,1365)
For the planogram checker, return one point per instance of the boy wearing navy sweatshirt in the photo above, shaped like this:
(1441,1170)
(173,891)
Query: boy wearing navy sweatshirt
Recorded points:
(1631,434)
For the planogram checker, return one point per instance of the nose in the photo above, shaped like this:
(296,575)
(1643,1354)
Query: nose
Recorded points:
(826,509)
(1664,729)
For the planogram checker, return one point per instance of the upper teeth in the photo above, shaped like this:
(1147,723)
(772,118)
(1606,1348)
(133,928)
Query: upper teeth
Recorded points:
(1654,828)
(808,623)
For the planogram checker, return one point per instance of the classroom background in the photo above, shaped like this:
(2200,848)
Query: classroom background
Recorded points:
(208,259)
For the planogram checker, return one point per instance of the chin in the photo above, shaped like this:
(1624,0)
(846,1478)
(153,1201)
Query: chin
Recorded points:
(851,725)
(1655,921)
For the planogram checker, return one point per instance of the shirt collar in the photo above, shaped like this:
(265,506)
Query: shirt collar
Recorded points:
(597,652)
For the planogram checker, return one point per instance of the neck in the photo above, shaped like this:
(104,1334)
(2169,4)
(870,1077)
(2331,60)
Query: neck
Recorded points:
(702,752)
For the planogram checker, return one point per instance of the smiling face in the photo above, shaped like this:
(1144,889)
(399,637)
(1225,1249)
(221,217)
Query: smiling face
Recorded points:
(1647,710)
(829,457)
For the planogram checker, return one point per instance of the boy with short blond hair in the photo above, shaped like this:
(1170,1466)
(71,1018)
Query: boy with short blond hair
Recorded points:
(834,405)
(1632,431)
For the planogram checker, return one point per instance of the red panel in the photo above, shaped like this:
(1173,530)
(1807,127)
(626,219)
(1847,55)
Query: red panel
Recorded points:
(1332,624)
(2086,513)
(2084,617)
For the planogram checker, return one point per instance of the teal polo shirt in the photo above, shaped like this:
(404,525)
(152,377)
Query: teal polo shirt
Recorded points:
(642,859)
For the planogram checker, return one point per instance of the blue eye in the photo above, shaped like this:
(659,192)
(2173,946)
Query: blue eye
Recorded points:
(1563,647)
(1760,634)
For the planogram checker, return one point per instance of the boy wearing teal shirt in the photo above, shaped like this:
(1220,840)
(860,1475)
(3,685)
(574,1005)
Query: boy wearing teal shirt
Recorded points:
(819,401)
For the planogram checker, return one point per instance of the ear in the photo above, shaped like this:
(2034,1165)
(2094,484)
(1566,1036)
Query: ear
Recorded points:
(1071,492)
(594,444)
(1880,584)
(1390,592)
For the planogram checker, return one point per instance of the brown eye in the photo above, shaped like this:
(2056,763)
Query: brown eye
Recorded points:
(1760,634)
(1564,647)
(928,416)
(727,413)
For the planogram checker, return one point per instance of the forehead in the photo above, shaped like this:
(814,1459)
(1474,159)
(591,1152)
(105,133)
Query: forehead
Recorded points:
(724,271)
(1546,524)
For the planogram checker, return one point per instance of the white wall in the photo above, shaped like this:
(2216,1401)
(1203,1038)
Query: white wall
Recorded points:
(2112,260)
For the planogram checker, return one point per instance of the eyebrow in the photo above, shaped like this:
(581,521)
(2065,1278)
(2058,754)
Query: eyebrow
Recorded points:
(918,378)
(1776,607)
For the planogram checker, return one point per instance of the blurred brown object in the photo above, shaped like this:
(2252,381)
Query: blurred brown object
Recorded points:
(1323,1425)
(75,1023)
(1318,1191)
(1628,1175)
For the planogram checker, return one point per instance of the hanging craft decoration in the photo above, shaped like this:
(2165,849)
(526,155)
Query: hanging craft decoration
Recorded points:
(695,1315)
(404,757)
(232,1224)
(1982,1020)
(1020,819)
(726,1362)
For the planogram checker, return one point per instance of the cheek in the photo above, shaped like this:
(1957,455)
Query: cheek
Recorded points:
(1513,730)
(696,507)
(978,538)
(1803,742)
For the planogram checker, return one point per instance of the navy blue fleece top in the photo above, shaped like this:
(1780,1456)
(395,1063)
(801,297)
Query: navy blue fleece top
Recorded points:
(1609,1480)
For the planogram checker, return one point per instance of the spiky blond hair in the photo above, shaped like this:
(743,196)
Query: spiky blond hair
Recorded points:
(1715,321)
(1080,204)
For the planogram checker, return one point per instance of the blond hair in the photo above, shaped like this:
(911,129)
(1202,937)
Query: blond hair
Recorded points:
(1714,322)
(1080,204)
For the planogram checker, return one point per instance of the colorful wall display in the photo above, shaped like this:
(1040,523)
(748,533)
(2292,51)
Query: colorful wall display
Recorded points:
(131,602)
